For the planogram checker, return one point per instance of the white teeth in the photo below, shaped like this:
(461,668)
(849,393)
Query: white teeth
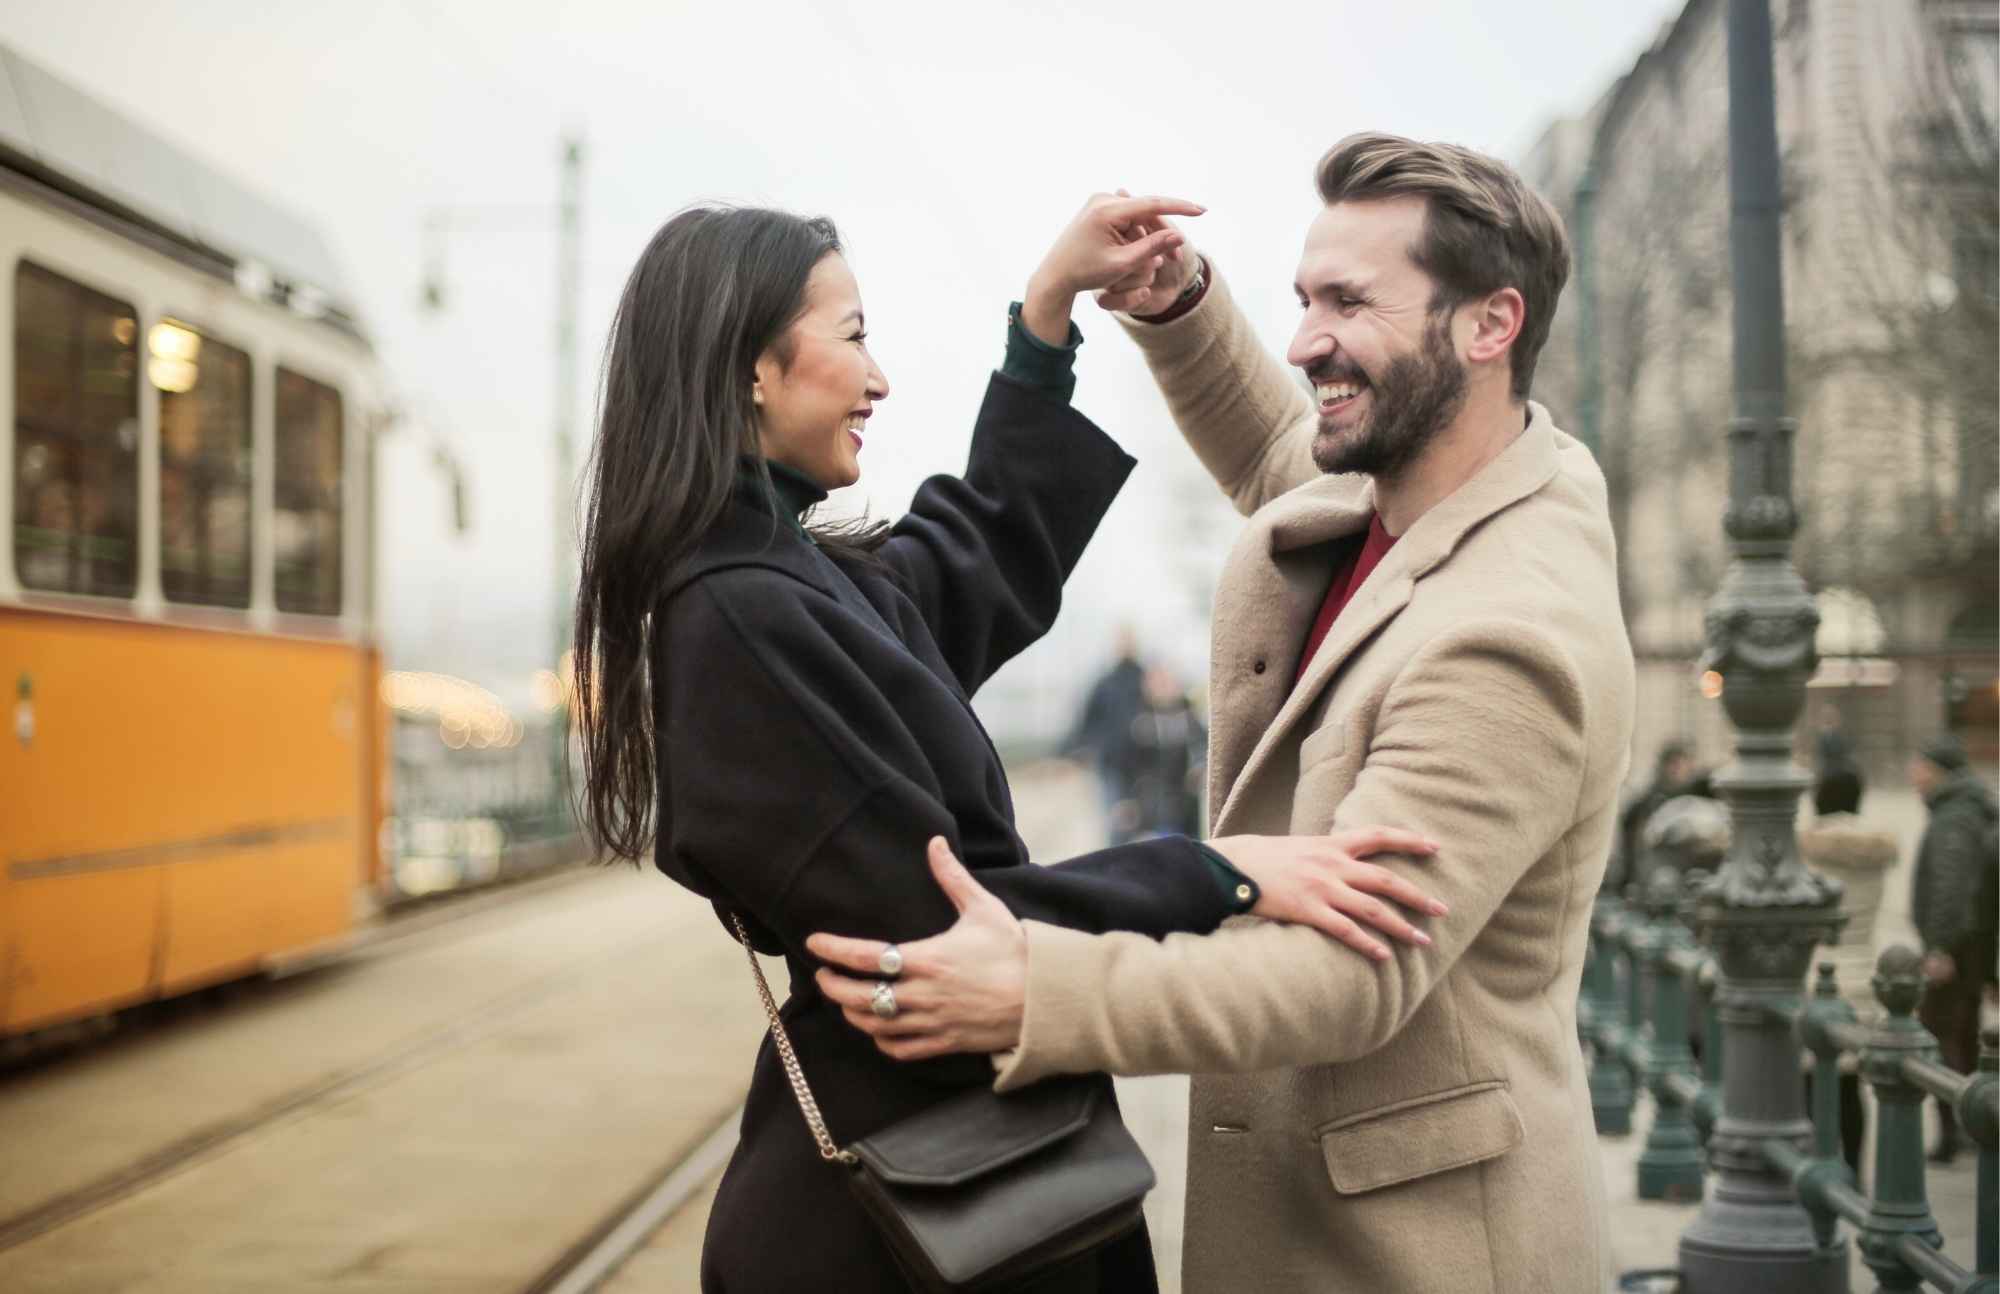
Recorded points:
(1334,392)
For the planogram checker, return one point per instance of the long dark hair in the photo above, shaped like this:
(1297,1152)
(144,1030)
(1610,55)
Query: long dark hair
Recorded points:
(715,288)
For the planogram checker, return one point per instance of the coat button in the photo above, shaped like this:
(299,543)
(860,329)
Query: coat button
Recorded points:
(1257,668)
(1243,894)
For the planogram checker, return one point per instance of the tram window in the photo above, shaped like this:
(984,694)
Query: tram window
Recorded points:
(308,521)
(204,465)
(76,437)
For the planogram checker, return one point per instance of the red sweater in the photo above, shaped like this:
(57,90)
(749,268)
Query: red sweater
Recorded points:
(1348,576)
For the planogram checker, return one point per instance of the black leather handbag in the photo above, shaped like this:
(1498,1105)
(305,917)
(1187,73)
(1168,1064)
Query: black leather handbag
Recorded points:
(982,1191)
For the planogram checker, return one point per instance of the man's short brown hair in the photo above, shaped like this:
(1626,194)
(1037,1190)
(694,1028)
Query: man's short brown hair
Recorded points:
(1484,228)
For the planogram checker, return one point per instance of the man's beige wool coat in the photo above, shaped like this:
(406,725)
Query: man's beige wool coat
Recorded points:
(1422,1126)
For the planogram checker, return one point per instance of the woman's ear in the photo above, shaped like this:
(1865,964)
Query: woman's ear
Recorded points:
(766,366)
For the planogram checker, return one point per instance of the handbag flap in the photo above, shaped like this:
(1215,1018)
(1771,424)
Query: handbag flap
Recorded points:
(970,1135)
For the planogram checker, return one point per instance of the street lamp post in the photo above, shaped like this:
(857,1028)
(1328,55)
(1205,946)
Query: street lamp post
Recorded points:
(1763,912)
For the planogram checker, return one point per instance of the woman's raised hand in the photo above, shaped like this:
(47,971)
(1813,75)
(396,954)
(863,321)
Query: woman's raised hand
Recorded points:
(1115,243)
(1321,881)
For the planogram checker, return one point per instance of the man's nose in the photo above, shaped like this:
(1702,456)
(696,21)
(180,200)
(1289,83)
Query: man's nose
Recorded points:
(1310,344)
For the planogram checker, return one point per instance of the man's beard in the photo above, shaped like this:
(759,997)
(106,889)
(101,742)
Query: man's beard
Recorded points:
(1414,399)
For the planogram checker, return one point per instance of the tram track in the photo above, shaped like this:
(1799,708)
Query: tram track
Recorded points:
(597,1257)
(217,1138)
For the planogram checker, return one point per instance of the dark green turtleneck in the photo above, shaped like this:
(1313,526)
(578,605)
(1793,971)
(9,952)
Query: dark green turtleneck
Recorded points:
(790,493)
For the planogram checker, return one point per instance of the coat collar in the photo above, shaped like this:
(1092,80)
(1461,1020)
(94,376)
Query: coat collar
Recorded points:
(747,534)
(1337,506)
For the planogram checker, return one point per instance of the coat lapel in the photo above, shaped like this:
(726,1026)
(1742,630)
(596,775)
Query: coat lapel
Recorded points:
(1326,509)
(1265,601)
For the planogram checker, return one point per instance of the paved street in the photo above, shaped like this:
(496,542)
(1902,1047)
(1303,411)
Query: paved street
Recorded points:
(455,1108)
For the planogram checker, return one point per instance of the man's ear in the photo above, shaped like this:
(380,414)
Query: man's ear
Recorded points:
(1496,323)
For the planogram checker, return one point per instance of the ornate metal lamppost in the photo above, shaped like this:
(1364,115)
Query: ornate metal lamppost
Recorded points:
(1763,912)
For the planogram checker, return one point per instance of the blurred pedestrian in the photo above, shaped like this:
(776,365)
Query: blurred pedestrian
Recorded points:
(1954,861)
(791,697)
(1168,745)
(1102,734)
(1837,779)
(1687,833)
(1673,766)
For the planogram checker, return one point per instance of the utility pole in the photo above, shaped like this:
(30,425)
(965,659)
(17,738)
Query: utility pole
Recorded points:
(566,216)
(569,286)
(1763,912)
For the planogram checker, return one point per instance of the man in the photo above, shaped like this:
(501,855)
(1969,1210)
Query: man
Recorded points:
(1419,627)
(1673,767)
(1104,728)
(1946,892)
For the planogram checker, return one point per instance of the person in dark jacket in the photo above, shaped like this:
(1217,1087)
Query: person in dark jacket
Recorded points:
(1954,860)
(1169,746)
(1103,730)
(779,713)
(1838,781)
(1673,765)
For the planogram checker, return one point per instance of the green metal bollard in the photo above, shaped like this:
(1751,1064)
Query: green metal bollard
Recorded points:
(1899,1204)
(1826,1008)
(1610,1080)
(1670,1167)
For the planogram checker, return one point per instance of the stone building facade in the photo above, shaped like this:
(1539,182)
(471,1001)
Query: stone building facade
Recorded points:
(1886,119)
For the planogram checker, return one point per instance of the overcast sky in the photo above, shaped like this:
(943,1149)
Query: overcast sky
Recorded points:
(949,141)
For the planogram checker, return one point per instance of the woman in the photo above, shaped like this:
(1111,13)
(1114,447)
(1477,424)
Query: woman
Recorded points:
(797,698)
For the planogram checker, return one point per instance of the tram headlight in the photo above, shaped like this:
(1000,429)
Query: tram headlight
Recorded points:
(174,376)
(173,352)
(169,340)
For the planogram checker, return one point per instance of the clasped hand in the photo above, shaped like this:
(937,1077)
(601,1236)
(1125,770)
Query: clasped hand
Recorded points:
(965,990)
(1116,247)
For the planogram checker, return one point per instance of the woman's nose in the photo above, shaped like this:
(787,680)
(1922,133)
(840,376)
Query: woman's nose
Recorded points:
(878,383)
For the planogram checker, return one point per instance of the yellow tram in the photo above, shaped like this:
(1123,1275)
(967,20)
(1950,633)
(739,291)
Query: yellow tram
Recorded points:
(194,773)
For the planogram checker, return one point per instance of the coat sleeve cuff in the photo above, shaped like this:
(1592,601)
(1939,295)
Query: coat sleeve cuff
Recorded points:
(1238,890)
(1183,337)
(1052,1041)
(1032,361)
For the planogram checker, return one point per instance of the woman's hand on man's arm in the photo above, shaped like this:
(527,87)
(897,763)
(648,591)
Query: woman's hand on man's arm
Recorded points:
(1323,882)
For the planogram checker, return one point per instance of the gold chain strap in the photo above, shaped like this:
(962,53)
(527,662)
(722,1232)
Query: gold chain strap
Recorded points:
(807,1106)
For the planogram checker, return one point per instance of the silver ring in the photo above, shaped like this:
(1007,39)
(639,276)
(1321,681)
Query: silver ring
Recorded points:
(891,962)
(884,1001)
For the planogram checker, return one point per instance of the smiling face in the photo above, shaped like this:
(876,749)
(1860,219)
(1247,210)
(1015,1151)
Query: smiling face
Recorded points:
(817,385)
(1385,368)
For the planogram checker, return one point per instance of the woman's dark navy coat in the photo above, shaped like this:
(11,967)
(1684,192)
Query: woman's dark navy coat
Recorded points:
(814,731)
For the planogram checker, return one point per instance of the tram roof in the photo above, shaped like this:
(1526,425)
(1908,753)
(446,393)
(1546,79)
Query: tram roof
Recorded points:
(58,134)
